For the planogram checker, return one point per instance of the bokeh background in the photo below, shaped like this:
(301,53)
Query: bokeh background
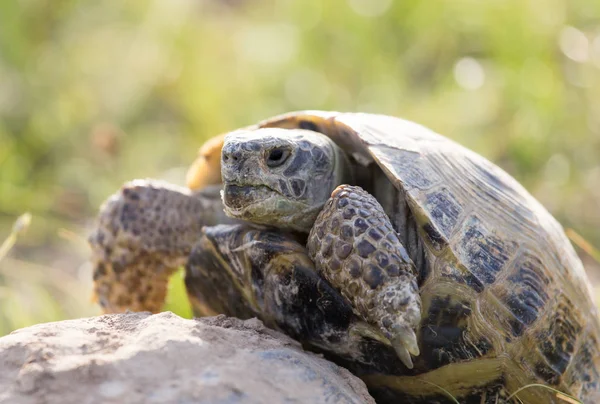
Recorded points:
(93,94)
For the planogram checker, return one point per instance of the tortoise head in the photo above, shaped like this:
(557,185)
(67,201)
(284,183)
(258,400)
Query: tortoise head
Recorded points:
(280,177)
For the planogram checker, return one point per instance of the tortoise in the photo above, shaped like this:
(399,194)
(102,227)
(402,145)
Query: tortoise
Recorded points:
(416,263)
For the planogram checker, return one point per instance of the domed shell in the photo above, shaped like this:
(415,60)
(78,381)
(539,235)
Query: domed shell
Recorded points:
(491,245)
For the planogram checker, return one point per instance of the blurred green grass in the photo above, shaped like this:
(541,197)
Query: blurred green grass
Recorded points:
(93,94)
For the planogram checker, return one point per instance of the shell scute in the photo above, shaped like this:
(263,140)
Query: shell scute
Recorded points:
(410,167)
(462,276)
(558,338)
(445,210)
(484,253)
(443,332)
(585,371)
(526,289)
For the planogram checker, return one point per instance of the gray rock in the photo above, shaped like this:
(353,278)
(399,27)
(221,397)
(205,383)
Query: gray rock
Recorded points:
(162,358)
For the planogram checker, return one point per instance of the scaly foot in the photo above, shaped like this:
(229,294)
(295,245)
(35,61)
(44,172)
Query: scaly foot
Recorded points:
(356,249)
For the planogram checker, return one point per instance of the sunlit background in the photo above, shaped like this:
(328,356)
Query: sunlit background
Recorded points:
(93,94)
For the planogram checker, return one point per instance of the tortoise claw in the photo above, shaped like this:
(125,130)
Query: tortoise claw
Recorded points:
(409,339)
(402,353)
(404,340)
(405,343)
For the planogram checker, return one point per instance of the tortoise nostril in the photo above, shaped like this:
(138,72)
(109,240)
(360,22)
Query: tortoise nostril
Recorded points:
(231,157)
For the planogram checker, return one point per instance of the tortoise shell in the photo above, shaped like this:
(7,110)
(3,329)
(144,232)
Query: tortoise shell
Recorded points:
(505,294)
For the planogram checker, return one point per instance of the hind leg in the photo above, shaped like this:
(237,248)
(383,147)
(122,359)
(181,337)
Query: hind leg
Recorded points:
(143,233)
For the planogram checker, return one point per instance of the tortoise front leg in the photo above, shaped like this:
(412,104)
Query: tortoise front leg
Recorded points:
(355,247)
(243,271)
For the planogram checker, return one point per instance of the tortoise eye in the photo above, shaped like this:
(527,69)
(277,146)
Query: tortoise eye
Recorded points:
(277,156)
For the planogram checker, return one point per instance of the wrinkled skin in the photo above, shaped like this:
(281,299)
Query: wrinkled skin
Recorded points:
(270,176)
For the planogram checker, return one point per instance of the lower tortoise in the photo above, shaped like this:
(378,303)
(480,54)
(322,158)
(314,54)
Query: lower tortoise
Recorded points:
(417,264)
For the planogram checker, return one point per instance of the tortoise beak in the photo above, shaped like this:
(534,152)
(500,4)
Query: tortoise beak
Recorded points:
(239,197)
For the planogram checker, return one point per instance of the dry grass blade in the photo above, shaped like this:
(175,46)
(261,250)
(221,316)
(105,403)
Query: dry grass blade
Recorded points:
(568,399)
(583,244)
(559,394)
(446,392)
(73,237)
(20,226)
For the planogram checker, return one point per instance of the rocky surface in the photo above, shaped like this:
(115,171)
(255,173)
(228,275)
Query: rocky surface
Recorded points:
(143,358)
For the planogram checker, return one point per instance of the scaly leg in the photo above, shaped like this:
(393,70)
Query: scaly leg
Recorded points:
(356,249)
